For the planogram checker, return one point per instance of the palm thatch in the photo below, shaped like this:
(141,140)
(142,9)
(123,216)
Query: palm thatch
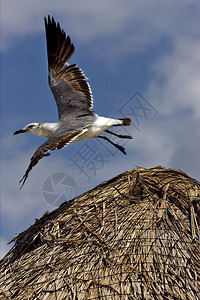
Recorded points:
(136,236)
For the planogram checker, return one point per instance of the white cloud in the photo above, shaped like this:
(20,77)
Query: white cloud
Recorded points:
(152,146)
(123,27)
(175,92)
(4,248)
(175,84)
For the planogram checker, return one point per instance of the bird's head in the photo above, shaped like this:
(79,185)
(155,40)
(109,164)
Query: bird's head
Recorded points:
(30,128)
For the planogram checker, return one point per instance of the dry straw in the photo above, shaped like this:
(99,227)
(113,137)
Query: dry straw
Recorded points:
(134,237)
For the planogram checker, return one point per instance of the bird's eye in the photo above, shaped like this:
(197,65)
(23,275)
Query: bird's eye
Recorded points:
(31,126)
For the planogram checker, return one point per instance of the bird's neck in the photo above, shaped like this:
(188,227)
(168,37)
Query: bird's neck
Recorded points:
(47,129)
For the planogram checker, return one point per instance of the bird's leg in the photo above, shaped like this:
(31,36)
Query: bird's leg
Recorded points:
(119,135)
(119,147)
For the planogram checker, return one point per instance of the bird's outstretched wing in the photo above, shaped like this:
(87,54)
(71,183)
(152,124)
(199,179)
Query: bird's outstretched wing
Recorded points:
(52,143)
(67,82)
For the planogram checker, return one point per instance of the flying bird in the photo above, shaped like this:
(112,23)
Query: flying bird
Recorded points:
(72,93)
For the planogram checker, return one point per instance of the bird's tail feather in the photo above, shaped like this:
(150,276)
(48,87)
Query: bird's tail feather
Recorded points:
(126,122)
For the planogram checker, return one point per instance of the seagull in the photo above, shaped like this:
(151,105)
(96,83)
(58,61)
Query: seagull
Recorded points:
(73,96)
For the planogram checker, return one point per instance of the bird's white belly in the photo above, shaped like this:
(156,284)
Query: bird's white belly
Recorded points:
(100,125)
(90,132)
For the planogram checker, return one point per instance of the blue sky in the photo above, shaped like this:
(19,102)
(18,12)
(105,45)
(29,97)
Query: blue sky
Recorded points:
(134,53)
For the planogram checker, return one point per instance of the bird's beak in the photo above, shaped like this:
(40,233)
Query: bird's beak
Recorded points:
(19,131)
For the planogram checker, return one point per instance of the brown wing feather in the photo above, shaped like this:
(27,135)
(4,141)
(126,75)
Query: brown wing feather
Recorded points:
(68,83)
(75,77)
(43,150)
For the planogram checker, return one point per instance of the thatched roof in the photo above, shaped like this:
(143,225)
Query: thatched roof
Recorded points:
(136,236)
